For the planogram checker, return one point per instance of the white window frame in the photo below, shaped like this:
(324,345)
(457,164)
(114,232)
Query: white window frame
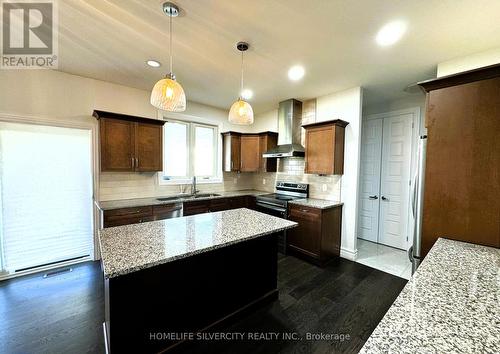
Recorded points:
(192,123)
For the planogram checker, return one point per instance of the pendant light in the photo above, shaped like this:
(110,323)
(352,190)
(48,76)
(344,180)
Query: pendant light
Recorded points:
(241,112)
(167,93)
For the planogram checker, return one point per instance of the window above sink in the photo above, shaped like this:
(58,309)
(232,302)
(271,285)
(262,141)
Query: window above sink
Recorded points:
(190,148)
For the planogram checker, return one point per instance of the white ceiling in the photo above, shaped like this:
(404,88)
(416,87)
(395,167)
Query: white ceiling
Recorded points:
(334,40)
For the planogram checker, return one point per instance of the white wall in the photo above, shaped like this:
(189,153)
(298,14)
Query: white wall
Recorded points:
(469,62)
(346,105)
(54,96)
(267,121)
(412,101)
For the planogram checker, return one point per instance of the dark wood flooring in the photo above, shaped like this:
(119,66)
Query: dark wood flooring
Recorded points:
(64,313)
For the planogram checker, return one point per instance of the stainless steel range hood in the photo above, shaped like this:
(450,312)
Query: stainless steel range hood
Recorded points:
(289,130)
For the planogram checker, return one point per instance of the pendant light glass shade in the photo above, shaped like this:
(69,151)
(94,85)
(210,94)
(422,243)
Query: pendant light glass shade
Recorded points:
(168,95)
(241,113)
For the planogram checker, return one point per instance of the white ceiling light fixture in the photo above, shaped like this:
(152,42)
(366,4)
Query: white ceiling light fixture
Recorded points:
(241,112)
(167,93)
(247,94)
(153,63)
(296,72)
(391,33)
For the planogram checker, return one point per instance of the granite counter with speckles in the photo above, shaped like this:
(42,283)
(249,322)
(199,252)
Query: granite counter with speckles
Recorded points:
(316,203)
(128,248)
(450,305)
(138,202)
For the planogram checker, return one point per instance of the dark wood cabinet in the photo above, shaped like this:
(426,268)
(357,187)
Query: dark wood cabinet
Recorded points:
(462,173)
(125,216)
(148,147)
(267,141)
(250,157)
(219,204)
(325,147)
(196,207)
(116,145)
(129,143)
(243,152)
(136,215)
(231,147)
(318,235)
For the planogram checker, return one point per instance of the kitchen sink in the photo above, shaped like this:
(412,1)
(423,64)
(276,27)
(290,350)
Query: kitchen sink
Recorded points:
(187,196)
(174,197)
(206,195)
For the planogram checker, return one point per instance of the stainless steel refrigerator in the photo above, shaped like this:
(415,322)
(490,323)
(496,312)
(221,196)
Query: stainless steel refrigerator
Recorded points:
(415,251)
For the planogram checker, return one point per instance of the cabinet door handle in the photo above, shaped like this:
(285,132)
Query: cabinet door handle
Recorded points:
(384,198)
(373,197)
(232,165)
(136,162)
(133,162)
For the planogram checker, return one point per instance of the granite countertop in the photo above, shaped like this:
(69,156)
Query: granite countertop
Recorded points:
(129,248)
(450,305)
(131,203)
(316,203)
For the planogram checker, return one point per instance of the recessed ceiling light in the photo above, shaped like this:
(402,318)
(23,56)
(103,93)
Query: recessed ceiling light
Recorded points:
(247,94)
(391,33)
(296,73)
(153,63)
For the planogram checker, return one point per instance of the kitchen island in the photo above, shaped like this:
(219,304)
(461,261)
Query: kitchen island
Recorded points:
(167,279)
(450,305)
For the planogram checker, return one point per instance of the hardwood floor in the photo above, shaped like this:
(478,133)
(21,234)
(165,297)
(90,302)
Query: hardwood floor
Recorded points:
(58,314)
(64,313)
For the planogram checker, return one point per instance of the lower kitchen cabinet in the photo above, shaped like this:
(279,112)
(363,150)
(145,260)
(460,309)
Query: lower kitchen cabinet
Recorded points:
(217,204)
(196,207)
(317,238)
(136,215)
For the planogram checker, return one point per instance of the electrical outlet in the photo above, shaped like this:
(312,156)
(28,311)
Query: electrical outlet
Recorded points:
(263,181)
(324,187)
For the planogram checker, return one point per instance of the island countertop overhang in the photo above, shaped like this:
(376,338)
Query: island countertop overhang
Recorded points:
(130,248)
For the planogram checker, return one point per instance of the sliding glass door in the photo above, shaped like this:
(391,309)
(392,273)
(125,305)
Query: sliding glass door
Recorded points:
(45,196)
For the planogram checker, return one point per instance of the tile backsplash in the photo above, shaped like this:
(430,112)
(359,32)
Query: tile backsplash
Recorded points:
(124,185)
(292,170)
(119,185)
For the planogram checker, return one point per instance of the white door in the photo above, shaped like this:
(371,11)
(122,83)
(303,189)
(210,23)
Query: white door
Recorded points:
(394,180)
(371,151)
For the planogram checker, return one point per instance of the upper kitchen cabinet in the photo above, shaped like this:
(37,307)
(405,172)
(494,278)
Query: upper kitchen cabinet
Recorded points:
(129,143)
(243,152)
(268,141)
(250,153)
(324,145)
(231,147)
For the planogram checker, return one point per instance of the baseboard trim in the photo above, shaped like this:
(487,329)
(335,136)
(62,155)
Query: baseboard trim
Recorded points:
(348,254)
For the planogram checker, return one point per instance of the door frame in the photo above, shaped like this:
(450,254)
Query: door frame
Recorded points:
(86,123)
(416,126)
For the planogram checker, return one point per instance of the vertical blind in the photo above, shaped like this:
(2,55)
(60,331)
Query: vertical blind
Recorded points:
(45,196)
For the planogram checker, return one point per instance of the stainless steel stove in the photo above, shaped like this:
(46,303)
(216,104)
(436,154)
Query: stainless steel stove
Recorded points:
(276,204)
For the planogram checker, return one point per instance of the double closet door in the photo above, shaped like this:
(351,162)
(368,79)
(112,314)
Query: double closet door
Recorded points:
(384,207)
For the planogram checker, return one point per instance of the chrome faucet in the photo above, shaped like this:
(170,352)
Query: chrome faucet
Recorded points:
(193,187)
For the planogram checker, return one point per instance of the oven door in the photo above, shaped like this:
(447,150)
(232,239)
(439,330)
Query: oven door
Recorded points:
(279,212)
(271,209)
